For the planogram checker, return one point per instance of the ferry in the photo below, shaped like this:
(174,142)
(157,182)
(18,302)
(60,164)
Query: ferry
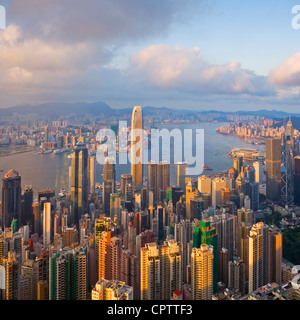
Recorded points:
(61,150)
(46,151)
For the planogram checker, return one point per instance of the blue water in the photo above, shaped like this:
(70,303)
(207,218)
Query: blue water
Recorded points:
(52,170)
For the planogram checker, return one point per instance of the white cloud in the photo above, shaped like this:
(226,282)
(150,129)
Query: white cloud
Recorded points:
(288,73)
(167,67)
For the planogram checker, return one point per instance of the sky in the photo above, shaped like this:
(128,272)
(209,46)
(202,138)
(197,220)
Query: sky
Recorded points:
(192,54)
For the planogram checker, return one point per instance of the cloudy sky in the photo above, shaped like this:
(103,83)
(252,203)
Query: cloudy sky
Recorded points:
(192,54)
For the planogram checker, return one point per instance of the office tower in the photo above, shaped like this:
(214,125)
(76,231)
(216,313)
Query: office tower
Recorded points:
(202,272)
(176,194)
(254,196)
(112,290)
(190,194)
(224,196)
(47,224)
(11,266)
(297,182)
(161,216)
(258,169)
(46,138)
(28,199)
(228,233)
(258,256)
(237,163)
(11,198)
(163,179)
(240,185)
(109,170)
(247,203)
(233,174)
(207,200)
(204,233)
(217,185)
(91,177)
(223,269)
(152,180)
(236,275)
(79,182)
(115,206)
(287,180)
(137,147)
(36,218)
(244,215)
(161,270)
(126,179)
(204,184)
(108,189)
(196,207)
(48,194)
(181,168)
(273,169)
(274,255)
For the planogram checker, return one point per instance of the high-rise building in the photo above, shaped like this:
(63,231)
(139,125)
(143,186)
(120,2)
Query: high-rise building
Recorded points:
(236,275)
(137,147)
(258,256)
(161,270)
(274,255)
(237,163)
(112,290)
(109,179)
(258,169)
(36,217)
(47,224)
(204,184)
(181,168)
(273,169)
(27,211)
(205,233)
(223,266)
(217,185)
(11,198)
(297,182)
(79,182)
(12,276)
(91,177)
(202,272)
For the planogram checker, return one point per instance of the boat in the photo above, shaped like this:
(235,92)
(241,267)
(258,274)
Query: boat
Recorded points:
(46,151)
(206,168)
(61,150)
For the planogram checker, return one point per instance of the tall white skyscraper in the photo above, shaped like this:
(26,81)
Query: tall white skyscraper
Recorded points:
(137,147)
(217,185)
(47,223)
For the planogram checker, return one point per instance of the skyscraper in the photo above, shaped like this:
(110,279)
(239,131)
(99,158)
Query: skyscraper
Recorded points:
(202,272)
(273,169)
(204,233)
(217,185)
(79,182)
(297,182)
(109,179)
(137,147)
(47,224)
(27,212)
(91,178)
(11,198)
(181,168)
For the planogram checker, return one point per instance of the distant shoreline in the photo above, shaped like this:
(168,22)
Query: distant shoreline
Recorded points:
(13,152)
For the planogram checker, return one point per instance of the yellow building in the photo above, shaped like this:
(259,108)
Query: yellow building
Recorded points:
(202,272)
